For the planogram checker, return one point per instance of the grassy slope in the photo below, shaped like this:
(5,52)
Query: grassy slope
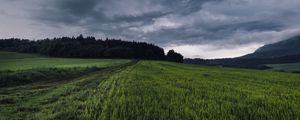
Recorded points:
(55,100)
(20,61)
(20,68)
(159,90)
(291,67)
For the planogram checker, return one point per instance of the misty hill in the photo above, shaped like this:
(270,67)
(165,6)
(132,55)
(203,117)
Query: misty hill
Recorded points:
(89,47)
(255,63)
(283,48)
(286,51)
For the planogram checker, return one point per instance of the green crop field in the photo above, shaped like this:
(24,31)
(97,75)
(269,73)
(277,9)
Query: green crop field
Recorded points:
(158,90)
(20,61)
(291,67)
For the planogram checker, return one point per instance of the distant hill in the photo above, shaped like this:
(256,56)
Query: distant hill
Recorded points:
(283,48)
(256,63)
(286,51)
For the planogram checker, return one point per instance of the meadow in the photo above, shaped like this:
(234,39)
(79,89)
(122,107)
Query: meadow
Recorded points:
(20,61)
(158,90)
(20,68)
(290,67)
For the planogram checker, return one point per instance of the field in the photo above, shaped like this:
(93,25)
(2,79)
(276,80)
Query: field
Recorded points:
(158,90)
(19,68)
(291,67)
(20,61)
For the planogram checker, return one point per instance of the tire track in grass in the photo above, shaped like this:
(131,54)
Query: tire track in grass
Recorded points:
(70,100)
(115,95)
(95,103)
(114,100)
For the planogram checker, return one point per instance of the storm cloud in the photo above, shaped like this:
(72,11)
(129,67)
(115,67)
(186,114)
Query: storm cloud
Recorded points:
(196,28)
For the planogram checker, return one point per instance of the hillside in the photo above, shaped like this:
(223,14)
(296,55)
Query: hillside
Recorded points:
(283,48)
(20,68)
(157,90)
(22,61)
(286,51)
(289,67)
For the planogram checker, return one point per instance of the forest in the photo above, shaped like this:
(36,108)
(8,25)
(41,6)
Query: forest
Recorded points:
(89,47)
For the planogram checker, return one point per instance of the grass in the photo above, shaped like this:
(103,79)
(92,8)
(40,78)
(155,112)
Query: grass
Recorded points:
(20,68)
(158,90)
(20,61)
(291,67)
(14,78)
(56,99)
(14,55)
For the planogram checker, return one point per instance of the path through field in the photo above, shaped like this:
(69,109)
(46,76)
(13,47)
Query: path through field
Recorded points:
(158,90)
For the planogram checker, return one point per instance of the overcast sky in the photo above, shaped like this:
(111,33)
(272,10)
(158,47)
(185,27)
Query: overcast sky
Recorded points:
(195,28)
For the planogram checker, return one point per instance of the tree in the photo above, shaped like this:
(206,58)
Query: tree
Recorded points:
(85,47)
(175,57)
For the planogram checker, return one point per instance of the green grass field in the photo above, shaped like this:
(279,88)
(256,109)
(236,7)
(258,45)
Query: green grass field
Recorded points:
(20,61)
(158,90)
(291,67)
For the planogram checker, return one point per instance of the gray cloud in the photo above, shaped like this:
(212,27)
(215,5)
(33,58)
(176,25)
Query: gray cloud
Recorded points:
(222,24)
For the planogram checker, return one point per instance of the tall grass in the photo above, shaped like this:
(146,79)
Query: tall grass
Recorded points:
(159,90)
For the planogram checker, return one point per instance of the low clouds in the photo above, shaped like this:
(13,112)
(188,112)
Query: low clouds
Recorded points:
(231,27)
(238,44)
(212,51)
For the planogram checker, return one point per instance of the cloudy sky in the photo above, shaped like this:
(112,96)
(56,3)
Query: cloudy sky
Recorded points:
(195,28)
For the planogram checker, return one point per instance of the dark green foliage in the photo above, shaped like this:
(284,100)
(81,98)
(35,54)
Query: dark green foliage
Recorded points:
(88,47)
(119,52)
(173,56)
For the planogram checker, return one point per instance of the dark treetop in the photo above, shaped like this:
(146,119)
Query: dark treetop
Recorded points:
(89,47)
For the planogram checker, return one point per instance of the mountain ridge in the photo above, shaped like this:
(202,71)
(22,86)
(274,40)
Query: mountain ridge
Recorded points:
(282,48)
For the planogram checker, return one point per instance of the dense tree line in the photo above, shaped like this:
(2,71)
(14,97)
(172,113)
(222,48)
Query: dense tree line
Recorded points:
(174,56)
(87,47)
